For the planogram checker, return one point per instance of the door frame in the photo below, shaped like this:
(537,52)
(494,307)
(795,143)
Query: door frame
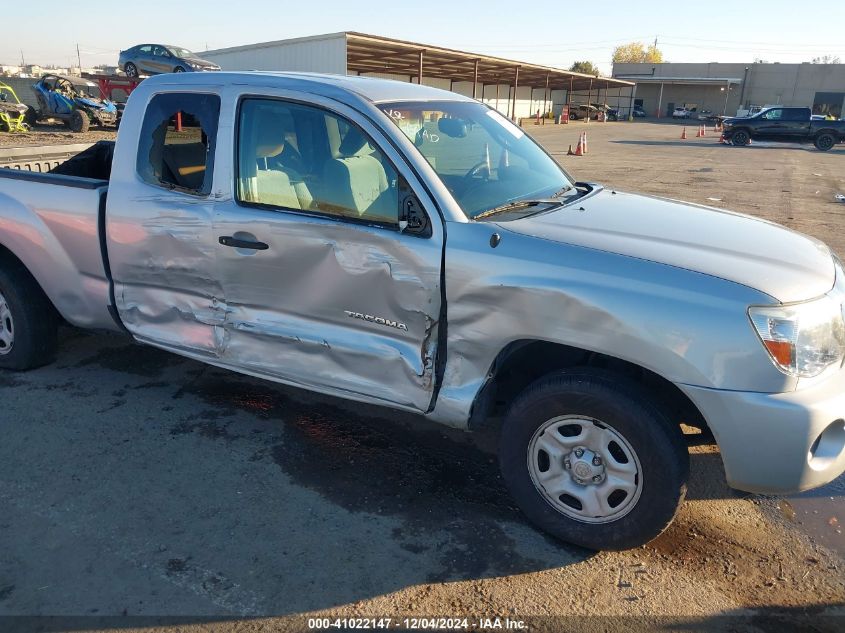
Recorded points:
(225,189)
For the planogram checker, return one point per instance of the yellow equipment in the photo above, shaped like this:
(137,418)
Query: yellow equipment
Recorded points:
(12,112)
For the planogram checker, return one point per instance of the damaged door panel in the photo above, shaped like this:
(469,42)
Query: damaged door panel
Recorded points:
(160,236)
(332,305)
(340,299)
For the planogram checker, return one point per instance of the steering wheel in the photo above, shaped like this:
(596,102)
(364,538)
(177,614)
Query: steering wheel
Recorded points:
(476,171)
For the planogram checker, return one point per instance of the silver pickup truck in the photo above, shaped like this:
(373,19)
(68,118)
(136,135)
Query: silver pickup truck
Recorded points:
(405,246)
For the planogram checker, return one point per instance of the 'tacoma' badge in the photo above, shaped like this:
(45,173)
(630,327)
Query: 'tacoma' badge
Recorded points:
(376,319)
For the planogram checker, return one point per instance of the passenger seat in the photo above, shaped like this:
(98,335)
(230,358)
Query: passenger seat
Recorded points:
(355,179)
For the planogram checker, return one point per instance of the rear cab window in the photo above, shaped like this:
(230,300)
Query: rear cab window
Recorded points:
(177,142)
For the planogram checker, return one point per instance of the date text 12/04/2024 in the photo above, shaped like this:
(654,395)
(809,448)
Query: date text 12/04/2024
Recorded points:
(421,624)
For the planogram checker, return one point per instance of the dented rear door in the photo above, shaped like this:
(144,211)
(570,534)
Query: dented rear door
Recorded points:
(159,231)
(315,296)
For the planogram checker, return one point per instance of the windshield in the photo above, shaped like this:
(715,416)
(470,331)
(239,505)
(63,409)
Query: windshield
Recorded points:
(180,52)
(483,159)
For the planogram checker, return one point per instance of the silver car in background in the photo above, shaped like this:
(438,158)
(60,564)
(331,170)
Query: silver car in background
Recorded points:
(154,59)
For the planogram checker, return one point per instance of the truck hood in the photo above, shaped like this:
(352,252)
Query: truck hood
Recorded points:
(784,264)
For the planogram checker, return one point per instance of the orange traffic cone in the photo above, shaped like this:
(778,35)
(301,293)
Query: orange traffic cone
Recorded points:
(698,133)
(570,152)
(579,149)
(704,130)
(585,142)
(722,138)
(684,134)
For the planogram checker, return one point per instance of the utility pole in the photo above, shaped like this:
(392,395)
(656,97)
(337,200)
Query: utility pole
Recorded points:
(79,59)
(23,61)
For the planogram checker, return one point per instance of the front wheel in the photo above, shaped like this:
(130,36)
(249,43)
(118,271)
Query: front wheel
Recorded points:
(178,69)
(79,121)
(824,142)
(31,117)
(741,138)
(593,461)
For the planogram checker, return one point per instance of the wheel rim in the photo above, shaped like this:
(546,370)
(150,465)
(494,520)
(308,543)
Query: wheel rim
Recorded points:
(585,469)
(178,69)
(741,138)
(826,142)
(7,329)
(131,70)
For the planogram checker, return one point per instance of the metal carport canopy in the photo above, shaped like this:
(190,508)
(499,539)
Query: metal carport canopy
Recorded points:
(686,81)
(376,54)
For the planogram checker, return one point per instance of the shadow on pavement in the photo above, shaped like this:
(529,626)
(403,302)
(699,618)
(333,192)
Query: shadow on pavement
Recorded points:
(259,498)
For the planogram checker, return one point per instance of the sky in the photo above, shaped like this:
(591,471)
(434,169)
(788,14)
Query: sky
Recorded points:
(541,31)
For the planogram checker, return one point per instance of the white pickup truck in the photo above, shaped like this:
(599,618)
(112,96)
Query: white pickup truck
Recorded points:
(396,244)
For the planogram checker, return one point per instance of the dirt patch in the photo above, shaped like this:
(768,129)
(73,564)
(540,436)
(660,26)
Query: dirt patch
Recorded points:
(58,134)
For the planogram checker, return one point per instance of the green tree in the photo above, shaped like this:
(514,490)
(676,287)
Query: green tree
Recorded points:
(826,59)
(637,53)
(585,68)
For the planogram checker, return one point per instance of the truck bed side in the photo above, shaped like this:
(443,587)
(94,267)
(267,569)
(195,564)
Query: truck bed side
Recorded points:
(51,223)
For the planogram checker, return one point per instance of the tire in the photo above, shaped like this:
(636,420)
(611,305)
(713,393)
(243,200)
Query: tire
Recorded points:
(178,69)
(130,69)
(824,141)
(31,117)
(635,436)
(28,316)
(79,121)
(740,138)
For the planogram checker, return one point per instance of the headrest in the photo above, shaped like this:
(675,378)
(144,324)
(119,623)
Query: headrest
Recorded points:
(269,130)
(352,142)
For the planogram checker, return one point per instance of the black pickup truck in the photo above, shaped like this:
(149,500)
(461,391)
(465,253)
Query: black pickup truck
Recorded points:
(789,125)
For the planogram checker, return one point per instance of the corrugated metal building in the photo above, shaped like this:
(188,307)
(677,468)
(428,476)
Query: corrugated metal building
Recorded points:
(517,89)
(724,88)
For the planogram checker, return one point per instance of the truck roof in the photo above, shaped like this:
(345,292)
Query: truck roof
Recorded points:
(369,88)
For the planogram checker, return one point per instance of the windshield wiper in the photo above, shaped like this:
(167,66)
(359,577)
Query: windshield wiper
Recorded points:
(511,206)
(562,191)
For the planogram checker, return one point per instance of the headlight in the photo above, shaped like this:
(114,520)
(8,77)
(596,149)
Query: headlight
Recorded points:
(803,339)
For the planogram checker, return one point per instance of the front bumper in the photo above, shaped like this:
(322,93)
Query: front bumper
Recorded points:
(778,443)
(106,118)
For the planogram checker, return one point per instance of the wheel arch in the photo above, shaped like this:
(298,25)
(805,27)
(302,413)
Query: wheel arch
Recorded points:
(522,362)
(8,259)
(836,134)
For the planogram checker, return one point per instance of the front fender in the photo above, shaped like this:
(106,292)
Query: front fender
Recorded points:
(684,326)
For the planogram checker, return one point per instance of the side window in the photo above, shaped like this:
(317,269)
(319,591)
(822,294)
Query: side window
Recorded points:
(773,115)
(304,158)
(178,137)
(146,49)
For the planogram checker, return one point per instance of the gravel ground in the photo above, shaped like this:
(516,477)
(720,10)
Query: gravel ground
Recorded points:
(55,134)
(134,482)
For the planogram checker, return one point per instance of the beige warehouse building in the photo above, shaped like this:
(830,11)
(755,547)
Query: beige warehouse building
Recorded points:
(516,88)
(725,88)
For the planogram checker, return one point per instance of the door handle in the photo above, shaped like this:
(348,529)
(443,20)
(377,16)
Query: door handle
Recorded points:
(234,242)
